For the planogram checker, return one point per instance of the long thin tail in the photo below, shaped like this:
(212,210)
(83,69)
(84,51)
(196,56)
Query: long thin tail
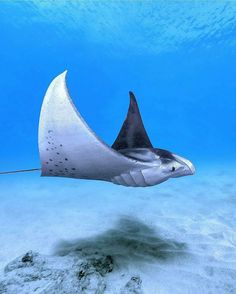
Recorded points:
(20,171)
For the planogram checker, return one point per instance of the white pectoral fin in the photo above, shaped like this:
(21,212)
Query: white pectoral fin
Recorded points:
(68,147)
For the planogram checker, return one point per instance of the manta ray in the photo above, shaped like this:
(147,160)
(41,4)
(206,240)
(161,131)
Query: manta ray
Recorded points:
(69,148)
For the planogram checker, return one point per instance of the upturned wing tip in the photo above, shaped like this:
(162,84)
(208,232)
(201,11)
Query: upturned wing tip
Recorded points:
(131,94)
(59,81)
(132,98)
(63,74)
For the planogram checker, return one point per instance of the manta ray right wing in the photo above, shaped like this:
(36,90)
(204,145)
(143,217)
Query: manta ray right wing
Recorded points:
(132,133)
(68,147)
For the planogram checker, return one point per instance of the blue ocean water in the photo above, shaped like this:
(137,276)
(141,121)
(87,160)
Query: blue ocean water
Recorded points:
(179,58)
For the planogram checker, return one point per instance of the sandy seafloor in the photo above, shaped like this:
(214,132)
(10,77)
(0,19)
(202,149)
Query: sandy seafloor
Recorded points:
(179,237)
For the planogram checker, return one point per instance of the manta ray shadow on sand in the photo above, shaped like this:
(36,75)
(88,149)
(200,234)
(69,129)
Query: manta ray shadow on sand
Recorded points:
(128,242)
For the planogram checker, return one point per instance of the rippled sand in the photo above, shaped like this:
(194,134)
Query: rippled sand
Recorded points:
(179,237)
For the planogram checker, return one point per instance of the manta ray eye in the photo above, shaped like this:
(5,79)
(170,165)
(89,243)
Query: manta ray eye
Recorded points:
(173,168)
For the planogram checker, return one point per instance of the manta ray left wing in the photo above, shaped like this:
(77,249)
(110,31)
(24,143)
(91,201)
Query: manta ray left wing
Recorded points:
(132,133)
(68,147)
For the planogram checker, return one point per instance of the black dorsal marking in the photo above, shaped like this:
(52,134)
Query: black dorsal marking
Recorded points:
(132,133)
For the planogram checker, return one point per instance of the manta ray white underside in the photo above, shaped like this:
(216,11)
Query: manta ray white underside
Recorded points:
(69,148)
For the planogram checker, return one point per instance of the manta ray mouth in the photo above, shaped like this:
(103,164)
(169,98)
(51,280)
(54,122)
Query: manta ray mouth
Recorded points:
(190,169)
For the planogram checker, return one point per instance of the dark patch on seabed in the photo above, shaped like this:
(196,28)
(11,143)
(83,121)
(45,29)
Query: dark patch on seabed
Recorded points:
(129,241)
(84,265)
